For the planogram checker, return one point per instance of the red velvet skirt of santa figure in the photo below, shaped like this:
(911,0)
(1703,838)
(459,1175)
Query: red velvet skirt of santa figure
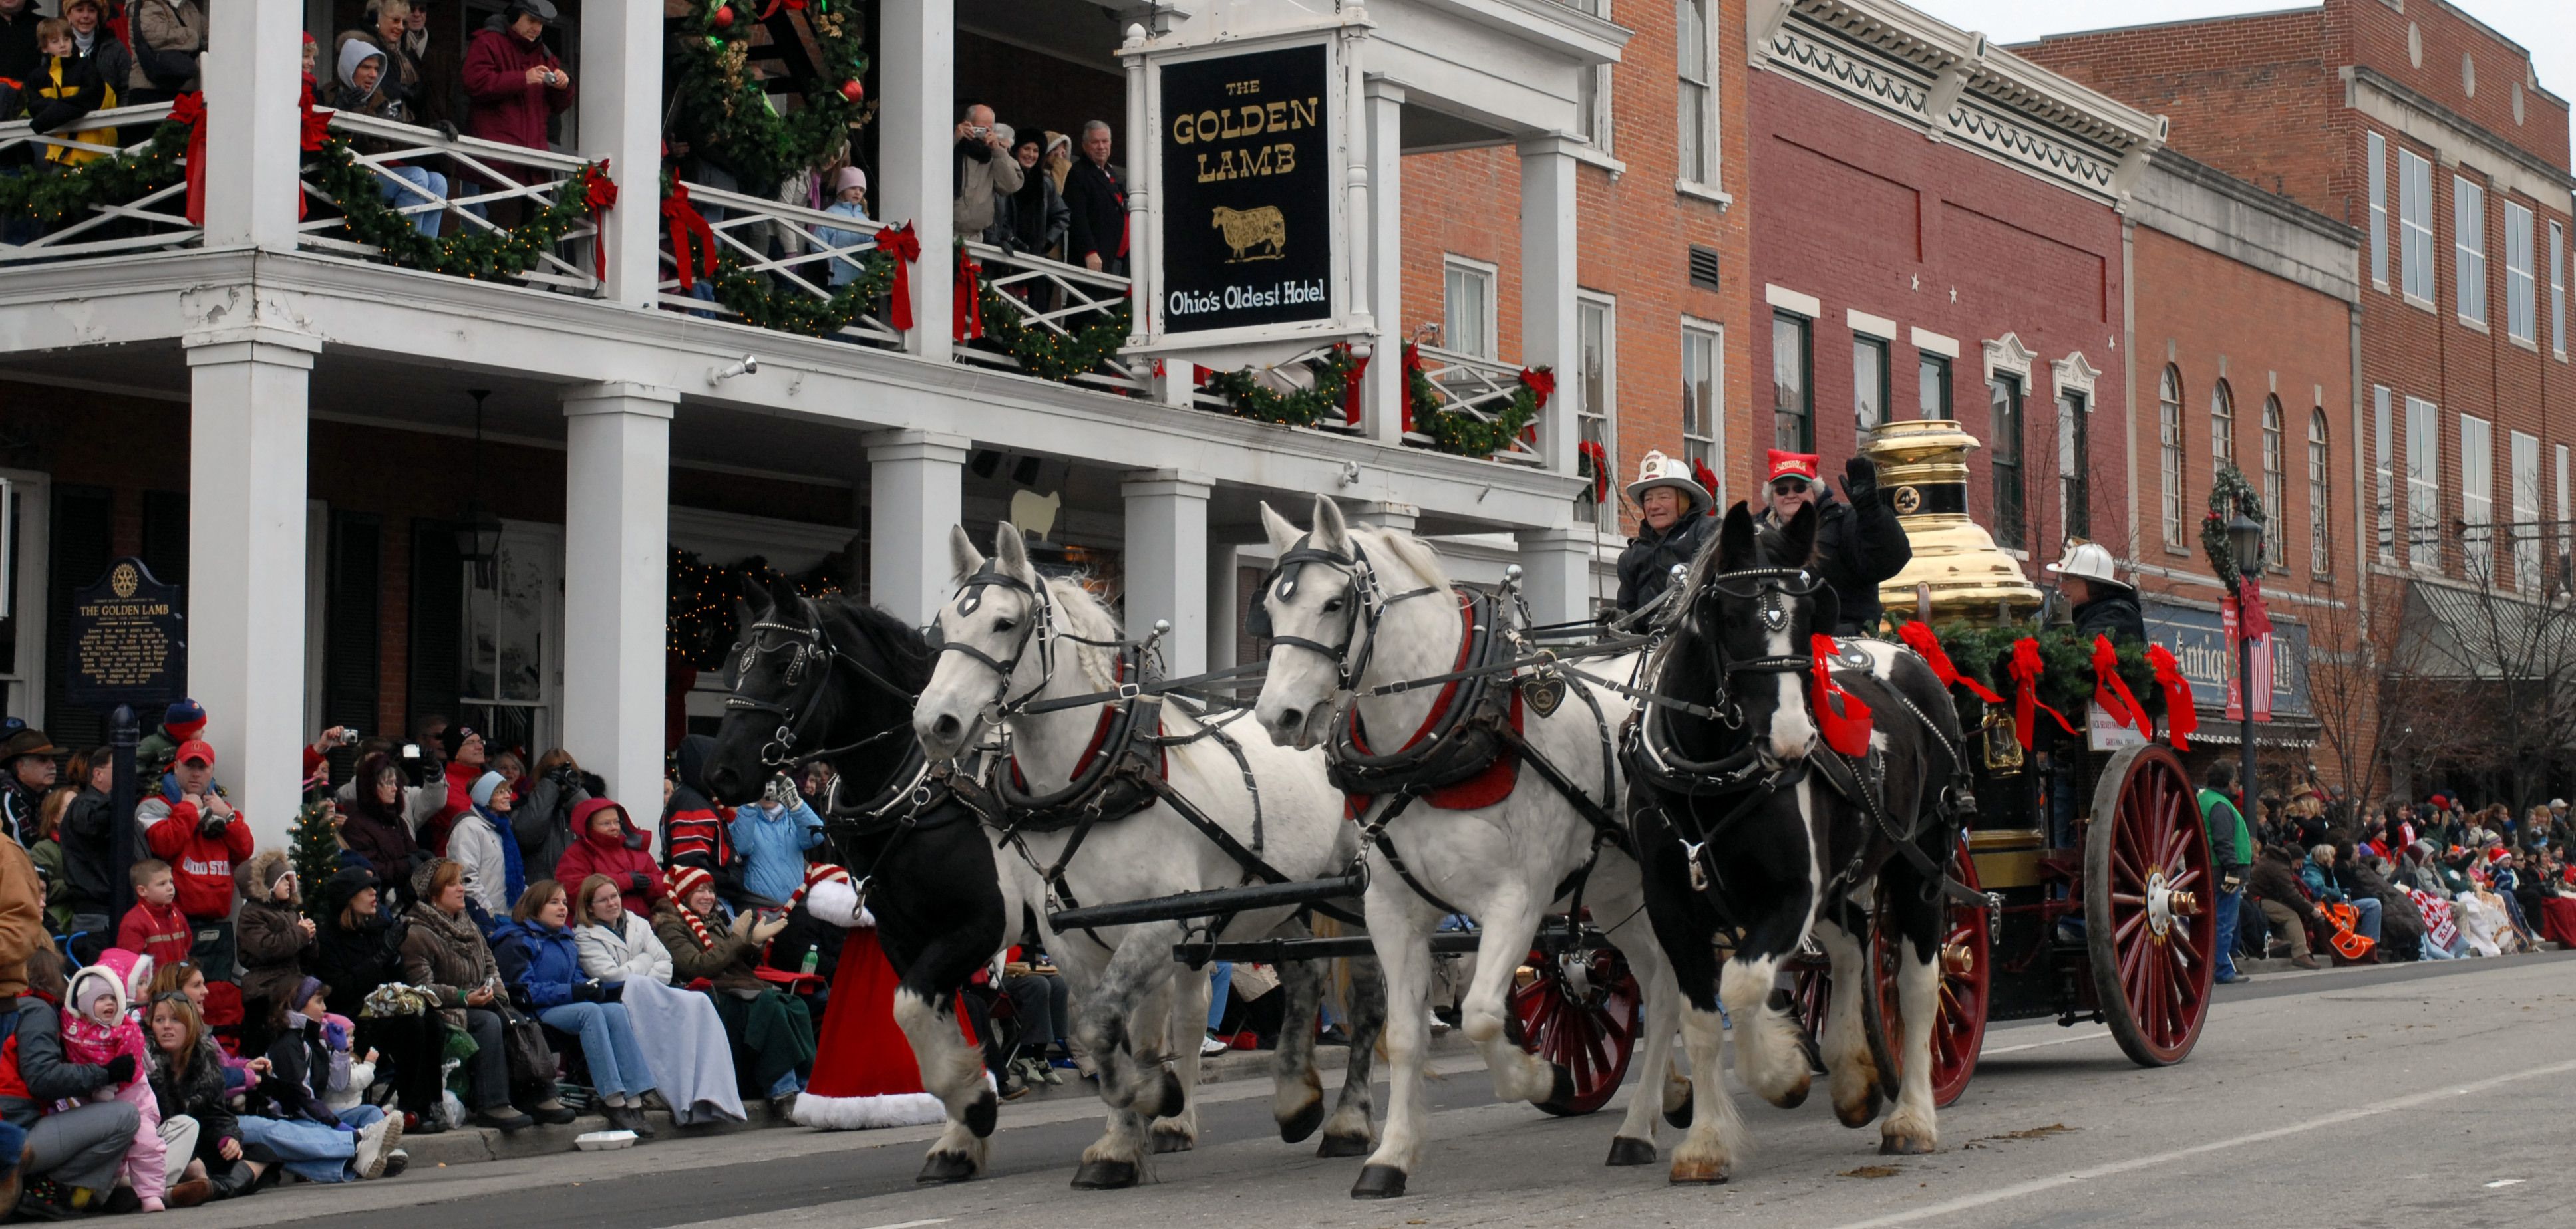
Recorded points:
(864,1073)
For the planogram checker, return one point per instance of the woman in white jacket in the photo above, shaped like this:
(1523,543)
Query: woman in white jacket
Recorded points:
(678,1030)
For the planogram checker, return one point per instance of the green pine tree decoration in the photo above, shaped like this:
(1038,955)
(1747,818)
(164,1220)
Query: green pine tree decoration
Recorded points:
(316,851)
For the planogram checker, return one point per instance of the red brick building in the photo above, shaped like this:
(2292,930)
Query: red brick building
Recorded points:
(1943,240)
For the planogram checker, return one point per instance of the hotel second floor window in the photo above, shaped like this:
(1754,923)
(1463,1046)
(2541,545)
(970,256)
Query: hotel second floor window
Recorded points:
(2276,551)
(2320,505)
(1599,408)
(1592,86)
(1869,382)
(2521,289)
(2477,498)
(2169,450)
(1703,395)
(2074,485)
(2423,485)
(1931,385)
(1697,54)
(2415,225)
(1467,308)
(1792,389)
(2566,562)
(2558,289)
(2379,210)
(2003,398)
(2222,427)
(2526,512)
(2469,248)
(2383,475)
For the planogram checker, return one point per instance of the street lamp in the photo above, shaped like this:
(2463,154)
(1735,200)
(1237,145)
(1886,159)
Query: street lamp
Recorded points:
(2245,545)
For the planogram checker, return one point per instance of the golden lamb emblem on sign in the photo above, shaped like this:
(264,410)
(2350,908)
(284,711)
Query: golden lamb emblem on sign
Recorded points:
(1247,229)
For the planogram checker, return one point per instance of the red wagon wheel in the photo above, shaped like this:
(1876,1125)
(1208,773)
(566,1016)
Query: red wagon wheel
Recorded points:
(1590,1030)
(1959,1027)
(2149,890)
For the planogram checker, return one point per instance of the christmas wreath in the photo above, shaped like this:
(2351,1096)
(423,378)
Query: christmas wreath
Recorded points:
(115,179)
(1453,428)
(1333,370)
(2229,493)
(724,107)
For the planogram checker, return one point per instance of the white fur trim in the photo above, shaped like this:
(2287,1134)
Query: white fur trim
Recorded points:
(866,1113)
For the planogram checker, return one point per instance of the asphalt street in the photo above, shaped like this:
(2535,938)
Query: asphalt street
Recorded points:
(2400,1096)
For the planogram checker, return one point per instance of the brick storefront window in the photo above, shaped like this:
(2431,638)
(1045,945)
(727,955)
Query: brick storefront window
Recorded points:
(1792,391)
(1467,308)
(1698,103)
(2276,546)
(1597,414)
(2074,484)
(2415,224)
(1869,382)
(2566,561)
(1592,87)
(2558,289)
(2320,501)
(2003,398)
(1703,395)
(2469,248)
(2477,498)
(2526,512)
(2222,427)
(2379,210)
(2169,448)
(2384,494)
(2521,289)
(2423,486)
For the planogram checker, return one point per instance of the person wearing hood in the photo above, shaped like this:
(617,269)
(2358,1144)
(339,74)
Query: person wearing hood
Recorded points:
(444,953)
(362,89)
(80,1148)
(201,836)
(771,836)
(275,939)
(381,814)
(1673,524)
(611,845)
(541,960)
(97,1032)
(482,843)
(695,830)
(542,820)
(310,1139)
(2103,606)
(1858,543)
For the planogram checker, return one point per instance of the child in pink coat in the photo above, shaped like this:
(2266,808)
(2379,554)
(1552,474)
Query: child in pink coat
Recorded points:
(97,1031)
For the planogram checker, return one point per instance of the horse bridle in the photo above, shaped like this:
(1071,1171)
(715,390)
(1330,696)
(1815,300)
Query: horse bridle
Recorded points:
(807,646)
(1771,589)
(1368,601)
(1042,626)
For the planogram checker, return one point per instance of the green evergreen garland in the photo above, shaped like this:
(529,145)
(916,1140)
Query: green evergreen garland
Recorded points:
(2229,493)
(1045,353)
(473,252)
(792,309)
(2066,663)
(1452,428)
(113,180)
(1301,408)
(721,103)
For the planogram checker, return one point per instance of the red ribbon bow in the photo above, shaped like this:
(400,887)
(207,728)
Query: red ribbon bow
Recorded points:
(1352,400)
(1541,382)
(1846,728)
(599,194)
(2252,621)
(2112,692)
(966,301)
(905,247)
(2025,670)
(1597,459)
(190,109)
(1707,480)
(2181,718)
(687,225)
(1918,637)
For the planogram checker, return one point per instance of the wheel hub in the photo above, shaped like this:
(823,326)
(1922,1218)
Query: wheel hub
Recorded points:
(2161,903)
(1957,960)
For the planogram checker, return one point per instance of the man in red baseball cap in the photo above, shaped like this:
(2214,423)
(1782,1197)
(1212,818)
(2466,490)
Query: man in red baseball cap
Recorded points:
(1858,543)
(194,828)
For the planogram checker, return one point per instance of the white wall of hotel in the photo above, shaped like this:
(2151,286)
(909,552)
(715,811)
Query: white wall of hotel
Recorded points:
(260,313)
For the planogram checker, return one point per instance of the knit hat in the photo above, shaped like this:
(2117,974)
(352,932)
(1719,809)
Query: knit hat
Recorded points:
(682,881)
(850,177)
(485,786)
(304,992)
(185,719)
(820,872)
(451,739)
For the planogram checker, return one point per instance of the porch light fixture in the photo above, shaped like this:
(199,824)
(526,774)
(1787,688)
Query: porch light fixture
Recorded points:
(478,533)
(750,365)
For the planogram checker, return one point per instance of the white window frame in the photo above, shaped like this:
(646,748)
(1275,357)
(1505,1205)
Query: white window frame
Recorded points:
(2423,485)
(2320,494)
(2521,288)
(1709,448)
(2276,482)
(2384,473)
(2469,251)
(1701,172)
(2169,444)
(2525,459)
(2558,289)
(2222,427)
(2559,532)
(2477,498)
(2379,212)
(2415,227)
(1600,421)
(1480,277)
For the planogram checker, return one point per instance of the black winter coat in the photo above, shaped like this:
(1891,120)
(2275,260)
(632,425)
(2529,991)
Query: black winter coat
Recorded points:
(199,1093)
(89,852)
(1097,200)
(1646,567)
(351,960)
(2114,614)
(1857,546)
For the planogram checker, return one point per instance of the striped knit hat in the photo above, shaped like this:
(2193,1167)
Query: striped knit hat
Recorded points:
(683,880)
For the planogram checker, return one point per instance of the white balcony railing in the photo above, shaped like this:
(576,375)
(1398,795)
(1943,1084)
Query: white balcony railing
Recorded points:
(1481,388)
(478,174)
(1054,298)
(153,221)
(808,245)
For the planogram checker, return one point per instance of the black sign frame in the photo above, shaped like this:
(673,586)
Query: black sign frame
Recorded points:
(1247,194)
(127,640)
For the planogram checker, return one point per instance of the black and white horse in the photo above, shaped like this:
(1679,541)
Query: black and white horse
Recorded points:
(1756,835)
(834,680)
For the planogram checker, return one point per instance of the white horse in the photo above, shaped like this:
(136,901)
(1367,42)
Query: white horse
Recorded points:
(1010,640)
(1377,604)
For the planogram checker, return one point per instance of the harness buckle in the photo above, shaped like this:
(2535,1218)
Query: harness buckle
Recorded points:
(1129,691)
(1698,871)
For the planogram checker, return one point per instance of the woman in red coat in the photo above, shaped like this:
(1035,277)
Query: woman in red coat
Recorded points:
(611,845)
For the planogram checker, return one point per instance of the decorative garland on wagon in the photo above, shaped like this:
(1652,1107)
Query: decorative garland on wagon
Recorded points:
(717,89)
(104,181)
(2067,679)
(2228,493)
(1334,369)
(1453,429)
(471,252)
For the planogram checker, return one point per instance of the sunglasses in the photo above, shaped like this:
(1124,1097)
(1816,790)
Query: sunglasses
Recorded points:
(1789,486)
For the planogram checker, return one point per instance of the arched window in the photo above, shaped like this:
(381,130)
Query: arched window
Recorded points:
(2222,427)
(2169,443)
(2276,531)
(2320,501)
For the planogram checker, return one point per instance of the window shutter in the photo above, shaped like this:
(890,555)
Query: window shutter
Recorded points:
(437,672)
(165,535)
(83,545)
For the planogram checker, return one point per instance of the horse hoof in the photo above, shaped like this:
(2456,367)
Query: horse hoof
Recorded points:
(1296,1127)
(1698,1173)
(1173,1100)
(1795,1097)
(1345,1145)
(946,1167)
(1680,1116)
(980,1115)
(1172,1139)
(1627,1151)
(1903,1145)
(1104,1176)
(1379,1182)
(1862,1113)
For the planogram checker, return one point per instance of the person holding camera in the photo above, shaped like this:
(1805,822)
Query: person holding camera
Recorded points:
(191,826)
(385,802)
(542,821)
(771,837)
(984,166)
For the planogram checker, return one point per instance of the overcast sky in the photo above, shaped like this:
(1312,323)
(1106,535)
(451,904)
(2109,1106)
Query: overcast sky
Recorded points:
(2546,27)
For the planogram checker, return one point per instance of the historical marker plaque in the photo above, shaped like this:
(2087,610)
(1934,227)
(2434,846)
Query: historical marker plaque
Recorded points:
(128,641)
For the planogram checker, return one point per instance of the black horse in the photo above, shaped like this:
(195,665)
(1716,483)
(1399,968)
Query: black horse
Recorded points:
(834,680)
(1754,834)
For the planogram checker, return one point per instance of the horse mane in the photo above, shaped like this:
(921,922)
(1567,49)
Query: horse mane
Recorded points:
(1414,553)
(1087,616)
(904,650)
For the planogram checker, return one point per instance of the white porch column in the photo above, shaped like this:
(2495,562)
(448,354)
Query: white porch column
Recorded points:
(1377,514)
(1548,273)
(251,80)
(917,69)
(1167,562)
(916,492)
(617,542)
(1224,630)
(1556,572)
(621,121)
(1382,406)
(245,596)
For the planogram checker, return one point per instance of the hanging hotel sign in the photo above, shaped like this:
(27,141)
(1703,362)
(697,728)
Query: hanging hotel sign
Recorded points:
(1248,227)
(127,642)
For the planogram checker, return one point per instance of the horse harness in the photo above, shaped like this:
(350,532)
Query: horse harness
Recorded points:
(811,658)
